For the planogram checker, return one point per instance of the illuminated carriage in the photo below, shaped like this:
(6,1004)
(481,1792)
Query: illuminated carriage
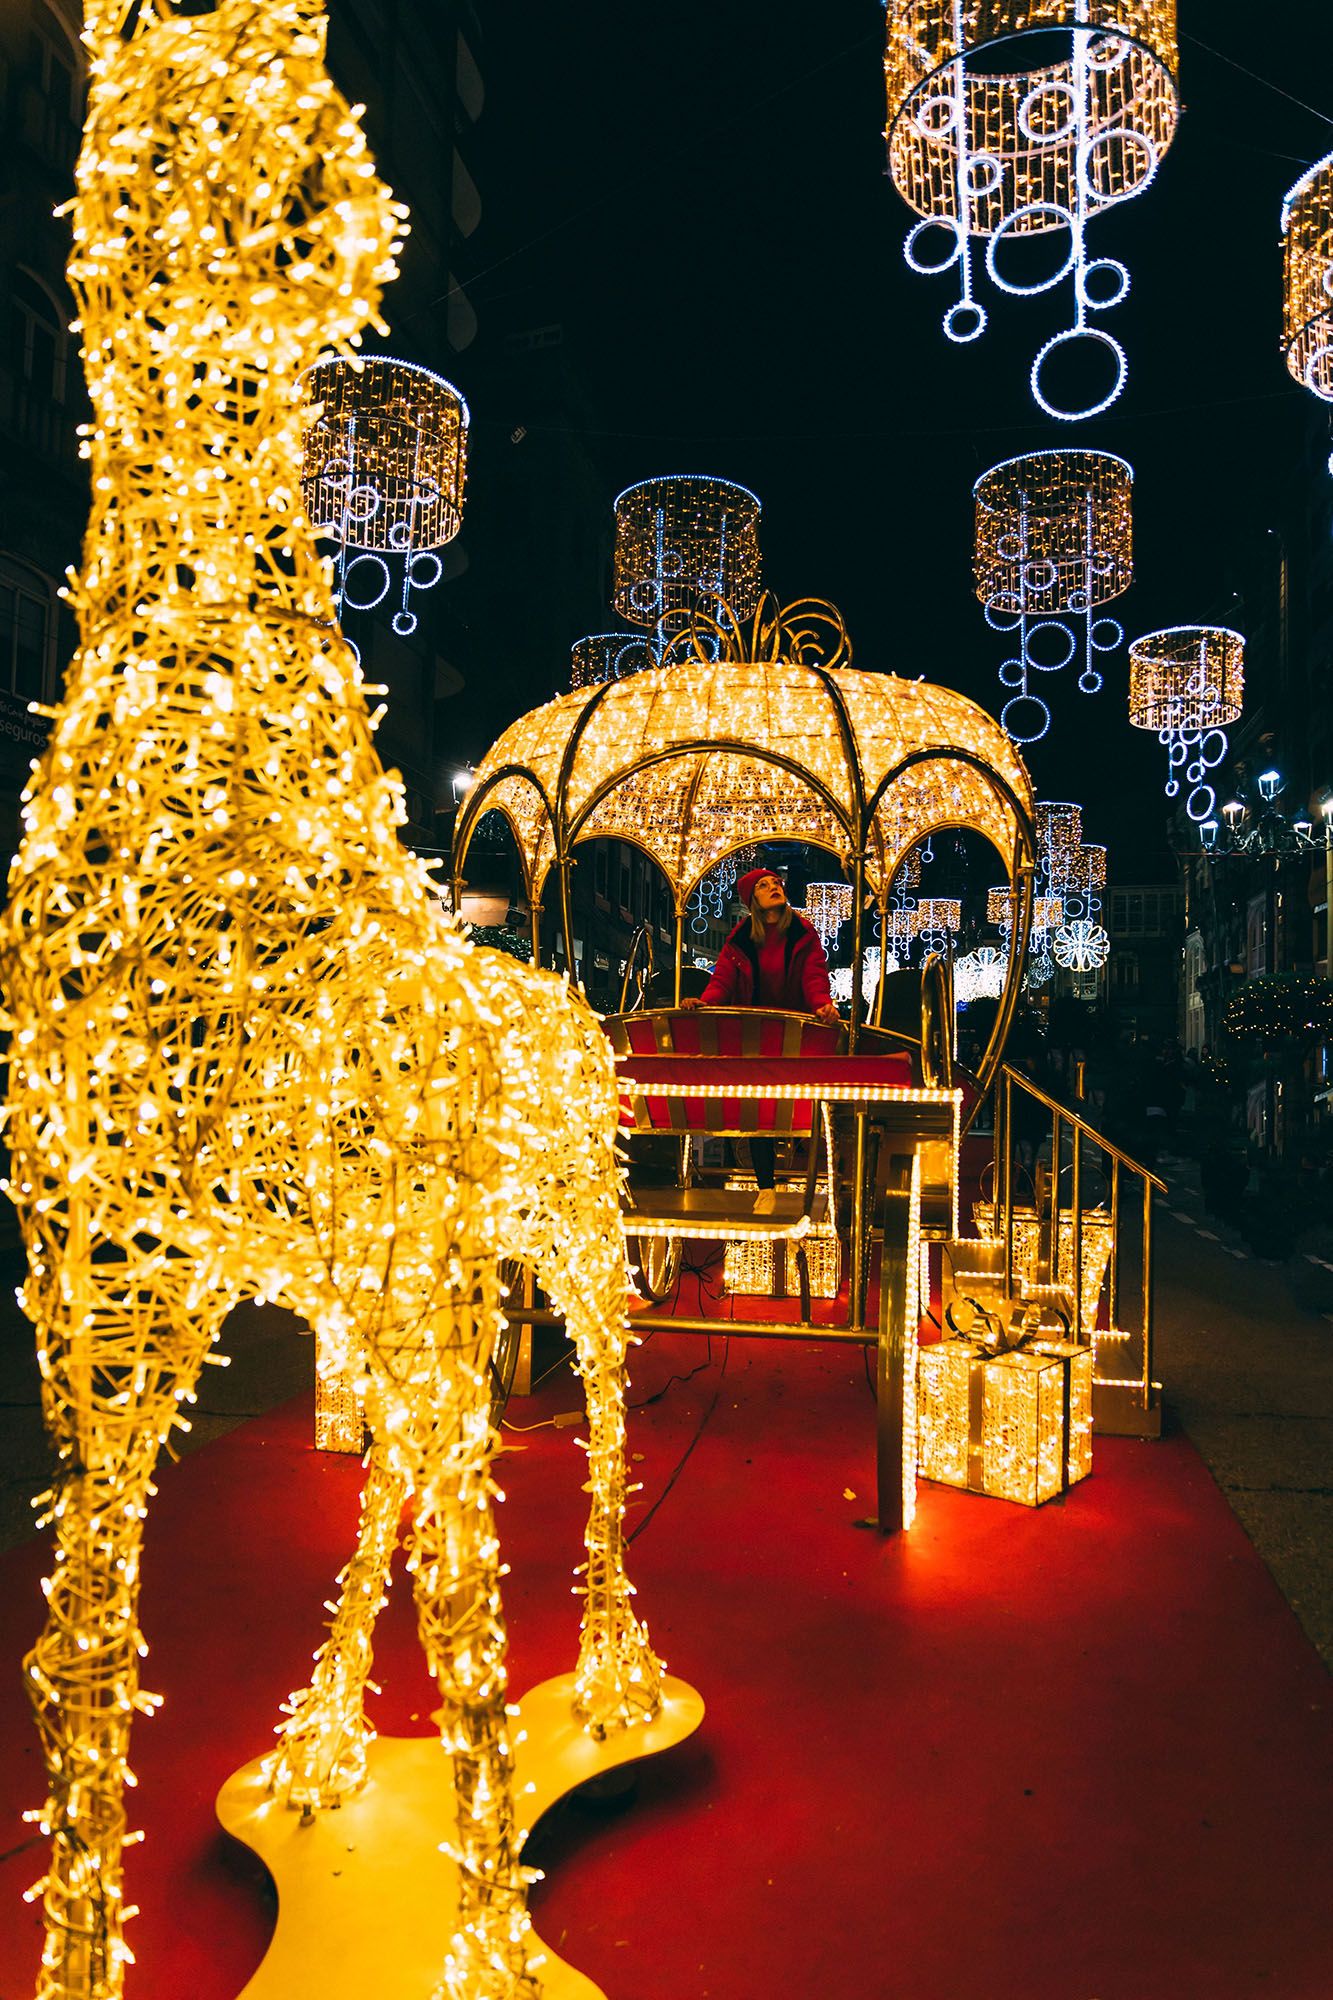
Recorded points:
(764,732)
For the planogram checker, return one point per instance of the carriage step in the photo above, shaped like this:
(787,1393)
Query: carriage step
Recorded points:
(713,1211)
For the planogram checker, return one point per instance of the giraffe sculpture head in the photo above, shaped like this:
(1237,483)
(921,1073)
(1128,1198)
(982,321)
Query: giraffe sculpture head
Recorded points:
(226,188)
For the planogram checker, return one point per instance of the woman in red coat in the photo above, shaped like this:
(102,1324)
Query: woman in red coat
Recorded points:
(773,958)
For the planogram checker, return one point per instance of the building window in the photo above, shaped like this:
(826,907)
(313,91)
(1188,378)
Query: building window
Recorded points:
(38,340)
(27,632)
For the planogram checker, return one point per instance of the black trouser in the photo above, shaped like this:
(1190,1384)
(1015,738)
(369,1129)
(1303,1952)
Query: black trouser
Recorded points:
(763,1152)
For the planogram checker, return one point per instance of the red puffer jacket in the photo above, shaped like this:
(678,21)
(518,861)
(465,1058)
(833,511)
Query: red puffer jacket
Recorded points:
(735,979)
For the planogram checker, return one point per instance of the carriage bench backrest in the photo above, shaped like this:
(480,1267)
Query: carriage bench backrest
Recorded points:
(748,1065)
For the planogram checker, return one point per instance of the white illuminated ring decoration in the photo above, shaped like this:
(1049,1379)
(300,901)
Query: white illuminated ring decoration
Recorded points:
(1071,333)
(1013,223)
(932,222)
(378,568)
(1028,729)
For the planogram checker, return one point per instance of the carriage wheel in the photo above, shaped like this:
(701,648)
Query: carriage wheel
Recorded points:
(654,1265)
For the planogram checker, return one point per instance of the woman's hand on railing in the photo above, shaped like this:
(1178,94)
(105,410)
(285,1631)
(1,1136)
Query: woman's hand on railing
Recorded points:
(688,1006)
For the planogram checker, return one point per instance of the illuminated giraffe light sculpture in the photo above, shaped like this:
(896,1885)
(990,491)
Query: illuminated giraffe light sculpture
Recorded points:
(249,1057)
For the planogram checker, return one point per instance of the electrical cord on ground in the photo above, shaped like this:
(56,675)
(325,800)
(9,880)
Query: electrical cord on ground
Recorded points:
(688,1376)
(683,1461)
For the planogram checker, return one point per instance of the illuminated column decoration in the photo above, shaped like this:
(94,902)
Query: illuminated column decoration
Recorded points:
(685,543)
(247,1056)
(984,148)
(1054,540)
(608,656)
(828,906)
(384,457)
(1307,279)
(1187,683)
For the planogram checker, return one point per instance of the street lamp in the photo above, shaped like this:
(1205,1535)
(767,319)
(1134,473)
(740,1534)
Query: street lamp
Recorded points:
(1270,784)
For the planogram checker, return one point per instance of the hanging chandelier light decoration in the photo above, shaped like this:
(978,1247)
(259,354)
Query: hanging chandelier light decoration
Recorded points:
(383,463)
(1081,943)
(685,544)
(1047,912)
(1307,279)
(1059,827)
(1187,684)
(608,656)
(938,919)
(828,906)
(992,140)
(711,899)
(1053,542)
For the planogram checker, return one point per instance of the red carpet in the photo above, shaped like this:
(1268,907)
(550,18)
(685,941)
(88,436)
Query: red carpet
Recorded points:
(1076,1754)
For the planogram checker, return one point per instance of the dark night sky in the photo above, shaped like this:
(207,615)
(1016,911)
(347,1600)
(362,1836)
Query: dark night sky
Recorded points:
(698,195)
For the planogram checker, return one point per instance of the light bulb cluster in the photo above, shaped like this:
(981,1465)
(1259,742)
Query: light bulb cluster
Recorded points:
(248,1054)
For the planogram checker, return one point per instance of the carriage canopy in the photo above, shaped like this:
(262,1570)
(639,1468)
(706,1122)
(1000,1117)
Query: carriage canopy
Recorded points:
(747,735)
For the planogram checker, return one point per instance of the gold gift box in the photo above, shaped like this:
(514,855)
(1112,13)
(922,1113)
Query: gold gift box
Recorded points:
(1016,1425)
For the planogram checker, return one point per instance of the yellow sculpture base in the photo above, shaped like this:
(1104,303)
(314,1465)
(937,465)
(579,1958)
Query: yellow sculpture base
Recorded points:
(366,1902)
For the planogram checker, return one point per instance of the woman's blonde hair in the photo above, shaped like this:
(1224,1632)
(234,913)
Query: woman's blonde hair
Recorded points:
(759,929)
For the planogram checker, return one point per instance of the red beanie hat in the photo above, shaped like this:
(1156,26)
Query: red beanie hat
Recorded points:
(750,881)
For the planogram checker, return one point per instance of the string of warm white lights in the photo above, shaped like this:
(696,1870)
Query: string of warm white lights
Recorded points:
(984,144)
(828,906)
(248,1055)
(1053,542)
(1187,683)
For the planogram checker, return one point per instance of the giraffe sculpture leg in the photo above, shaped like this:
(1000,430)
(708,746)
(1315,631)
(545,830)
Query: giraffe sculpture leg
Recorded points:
(456,1572)
(321,1757)
(120,1353)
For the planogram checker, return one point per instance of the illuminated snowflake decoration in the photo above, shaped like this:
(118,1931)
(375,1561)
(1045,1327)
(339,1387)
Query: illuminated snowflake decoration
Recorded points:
(840,980)
(1041,970)
(1081,946)
(979,974)
(988,150)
